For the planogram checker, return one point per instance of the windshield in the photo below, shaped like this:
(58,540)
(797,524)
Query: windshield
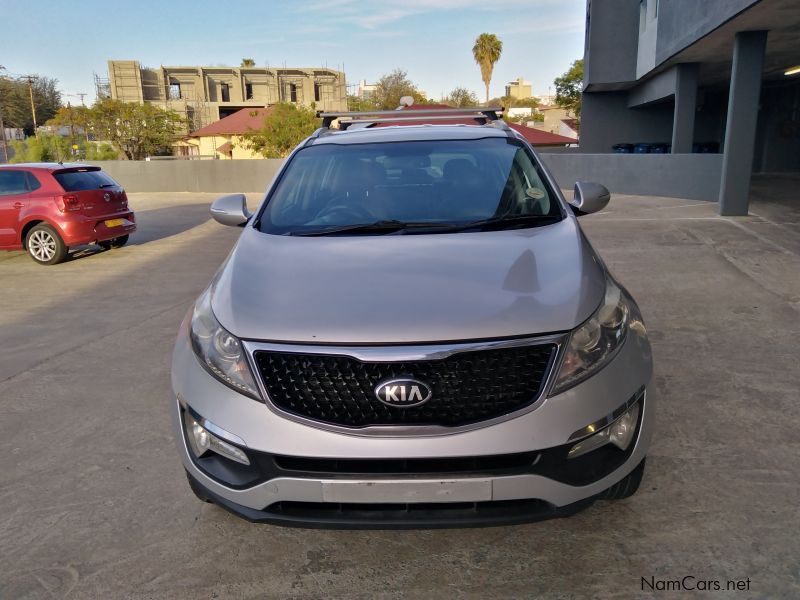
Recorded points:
(442,183)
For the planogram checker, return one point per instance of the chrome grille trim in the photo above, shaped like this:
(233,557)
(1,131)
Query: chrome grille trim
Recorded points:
(399,353)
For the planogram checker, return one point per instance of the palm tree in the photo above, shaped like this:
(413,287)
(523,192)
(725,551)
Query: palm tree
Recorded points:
(487,50)
(248,62)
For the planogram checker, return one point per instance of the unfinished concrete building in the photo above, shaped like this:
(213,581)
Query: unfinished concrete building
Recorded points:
(208,94)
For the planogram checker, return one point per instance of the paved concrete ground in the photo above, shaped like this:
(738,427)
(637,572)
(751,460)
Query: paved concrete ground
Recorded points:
(93,502)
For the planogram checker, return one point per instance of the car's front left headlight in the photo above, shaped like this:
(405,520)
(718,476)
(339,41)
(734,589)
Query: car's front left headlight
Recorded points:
(592,345)
(219,351)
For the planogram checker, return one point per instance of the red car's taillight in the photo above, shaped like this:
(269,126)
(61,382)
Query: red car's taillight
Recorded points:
(68,202)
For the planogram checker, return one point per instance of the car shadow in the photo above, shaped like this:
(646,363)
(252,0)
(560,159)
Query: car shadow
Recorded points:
(160,223)
(154,224)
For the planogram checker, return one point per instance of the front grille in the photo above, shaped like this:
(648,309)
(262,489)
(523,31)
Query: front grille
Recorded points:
(468,387)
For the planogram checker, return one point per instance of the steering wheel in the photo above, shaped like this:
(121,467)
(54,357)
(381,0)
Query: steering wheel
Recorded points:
(336,208)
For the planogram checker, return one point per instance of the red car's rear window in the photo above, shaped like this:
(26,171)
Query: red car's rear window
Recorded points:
(76,181)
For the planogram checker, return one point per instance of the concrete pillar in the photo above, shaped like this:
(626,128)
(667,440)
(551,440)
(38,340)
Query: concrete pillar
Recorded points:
(740,130)
(685,107)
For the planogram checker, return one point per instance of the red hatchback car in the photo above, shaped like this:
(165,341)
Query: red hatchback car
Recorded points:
(46,208)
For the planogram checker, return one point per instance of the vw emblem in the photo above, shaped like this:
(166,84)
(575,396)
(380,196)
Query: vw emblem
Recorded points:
(107,197)
(403,393)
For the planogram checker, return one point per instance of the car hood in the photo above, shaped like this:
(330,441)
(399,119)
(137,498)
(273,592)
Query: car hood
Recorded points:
(381,289)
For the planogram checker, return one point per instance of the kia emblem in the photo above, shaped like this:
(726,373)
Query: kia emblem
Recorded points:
(403,393)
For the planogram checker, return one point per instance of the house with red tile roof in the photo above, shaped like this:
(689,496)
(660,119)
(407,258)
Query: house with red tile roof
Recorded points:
(224,138)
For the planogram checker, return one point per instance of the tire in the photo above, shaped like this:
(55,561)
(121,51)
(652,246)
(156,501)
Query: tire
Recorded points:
(118,242)
(627,487)
(197,490)
(45,246)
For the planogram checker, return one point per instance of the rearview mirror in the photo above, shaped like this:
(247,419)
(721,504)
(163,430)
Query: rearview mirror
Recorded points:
(589,198)
(231,210)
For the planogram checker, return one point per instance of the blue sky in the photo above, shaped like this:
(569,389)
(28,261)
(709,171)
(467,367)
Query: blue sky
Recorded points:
(430,39)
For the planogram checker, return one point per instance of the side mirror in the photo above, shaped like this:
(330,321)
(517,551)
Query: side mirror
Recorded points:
(231,210)
(589,198)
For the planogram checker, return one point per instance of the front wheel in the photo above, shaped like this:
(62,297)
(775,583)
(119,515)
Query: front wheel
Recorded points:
(45,246)
(118,242)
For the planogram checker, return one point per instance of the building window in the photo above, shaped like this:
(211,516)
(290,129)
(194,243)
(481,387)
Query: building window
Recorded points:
(174,90)
(225,91)
(248,91)
(317,92)
(292,93)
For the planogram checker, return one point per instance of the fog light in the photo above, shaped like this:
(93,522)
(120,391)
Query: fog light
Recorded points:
(620,433)
(201,442)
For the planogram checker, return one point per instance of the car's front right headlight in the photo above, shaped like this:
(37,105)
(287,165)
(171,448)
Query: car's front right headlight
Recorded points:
(592,345)
(219,351)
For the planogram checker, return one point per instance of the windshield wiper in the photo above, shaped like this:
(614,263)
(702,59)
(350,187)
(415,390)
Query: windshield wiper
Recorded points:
(505,220)
(105,185)
(385,226)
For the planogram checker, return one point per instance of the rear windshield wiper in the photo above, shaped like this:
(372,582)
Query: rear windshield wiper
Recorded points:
(385,226)
(105,185)
(506,220)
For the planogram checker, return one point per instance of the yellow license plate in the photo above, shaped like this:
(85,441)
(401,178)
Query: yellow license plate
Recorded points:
(115,222)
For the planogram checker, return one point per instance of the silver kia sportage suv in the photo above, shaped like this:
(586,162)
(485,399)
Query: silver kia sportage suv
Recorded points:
(412,331)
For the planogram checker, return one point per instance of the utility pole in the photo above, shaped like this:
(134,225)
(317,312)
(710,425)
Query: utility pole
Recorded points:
(3,128)
(81,96)
(3,136)
(33,106)
(71,123)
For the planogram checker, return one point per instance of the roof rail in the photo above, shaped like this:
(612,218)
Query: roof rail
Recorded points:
(486,115)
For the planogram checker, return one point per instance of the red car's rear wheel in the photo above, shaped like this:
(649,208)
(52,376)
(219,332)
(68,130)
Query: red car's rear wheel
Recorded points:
(45,246)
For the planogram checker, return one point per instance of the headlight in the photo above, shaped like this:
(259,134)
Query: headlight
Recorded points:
(220,352)
(595,342)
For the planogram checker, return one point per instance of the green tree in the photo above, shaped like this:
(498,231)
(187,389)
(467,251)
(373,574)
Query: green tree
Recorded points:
(135,130)
(569,88)
(486,51)
(47,147)
(357,104)
(100,151)
(393,86)
(522,102)
(15,101)
(248,62)
(77,118)
(461,97)
(284,127)
(524,119)
(44,148)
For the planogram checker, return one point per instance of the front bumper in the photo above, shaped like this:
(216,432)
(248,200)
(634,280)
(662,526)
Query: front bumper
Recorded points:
(397,515)
(458,498)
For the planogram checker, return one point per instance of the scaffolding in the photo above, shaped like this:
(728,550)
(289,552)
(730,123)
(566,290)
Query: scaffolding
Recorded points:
(102,87)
